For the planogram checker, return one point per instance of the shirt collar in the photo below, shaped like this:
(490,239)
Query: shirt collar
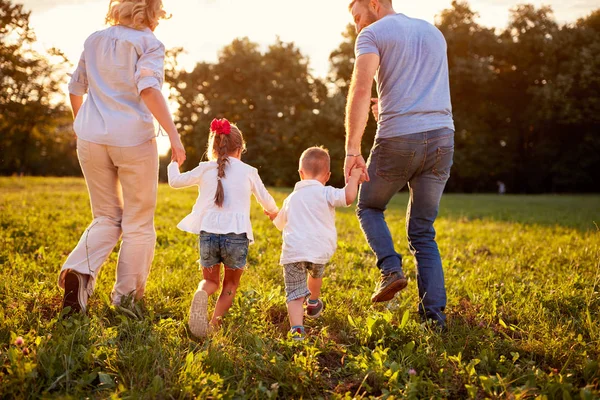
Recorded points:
(307,182)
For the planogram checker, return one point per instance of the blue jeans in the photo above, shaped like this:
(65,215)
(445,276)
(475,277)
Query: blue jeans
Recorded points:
(422,160)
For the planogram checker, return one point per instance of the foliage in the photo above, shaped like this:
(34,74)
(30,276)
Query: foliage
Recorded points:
(522,275)
(34,125)
(271,95)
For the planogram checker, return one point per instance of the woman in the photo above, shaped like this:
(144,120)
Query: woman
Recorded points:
(121,70)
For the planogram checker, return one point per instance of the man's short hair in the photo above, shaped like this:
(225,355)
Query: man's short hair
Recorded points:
(365,1)
(353,2)
(314,161)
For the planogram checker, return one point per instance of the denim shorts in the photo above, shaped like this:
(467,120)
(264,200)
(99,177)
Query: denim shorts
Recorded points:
(231,249)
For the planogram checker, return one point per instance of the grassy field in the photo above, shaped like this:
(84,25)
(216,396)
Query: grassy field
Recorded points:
(523,280)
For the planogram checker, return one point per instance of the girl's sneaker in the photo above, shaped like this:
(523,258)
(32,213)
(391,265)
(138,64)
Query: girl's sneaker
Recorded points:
(313,310)
(297,332)
(198,320)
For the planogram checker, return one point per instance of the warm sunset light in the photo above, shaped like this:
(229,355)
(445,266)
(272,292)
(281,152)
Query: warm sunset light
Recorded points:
(314,199)
(203,27)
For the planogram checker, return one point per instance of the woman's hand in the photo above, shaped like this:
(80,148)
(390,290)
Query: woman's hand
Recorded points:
(177,151)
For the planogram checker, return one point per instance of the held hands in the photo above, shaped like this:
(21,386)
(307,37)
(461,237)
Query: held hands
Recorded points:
(353,162)
(358,174)
(271,216)
(177,151)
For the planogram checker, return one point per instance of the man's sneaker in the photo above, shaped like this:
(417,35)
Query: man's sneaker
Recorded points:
(297,333)
(314,310)
(388,286)
(76,294)
(198,321)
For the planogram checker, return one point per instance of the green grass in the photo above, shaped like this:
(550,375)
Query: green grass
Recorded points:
(523,281)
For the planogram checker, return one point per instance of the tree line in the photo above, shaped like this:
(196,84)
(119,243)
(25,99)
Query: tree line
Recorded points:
(526,102)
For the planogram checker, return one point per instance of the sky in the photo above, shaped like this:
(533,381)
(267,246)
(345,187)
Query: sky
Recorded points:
(203,27)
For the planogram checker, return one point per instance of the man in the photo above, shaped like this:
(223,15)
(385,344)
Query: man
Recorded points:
(414,143)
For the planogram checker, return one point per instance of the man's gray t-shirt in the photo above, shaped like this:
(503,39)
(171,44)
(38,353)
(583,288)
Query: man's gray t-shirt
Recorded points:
(412,80)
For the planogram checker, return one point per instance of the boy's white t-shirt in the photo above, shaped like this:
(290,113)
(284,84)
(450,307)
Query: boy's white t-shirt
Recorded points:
(241,181)
(307,219)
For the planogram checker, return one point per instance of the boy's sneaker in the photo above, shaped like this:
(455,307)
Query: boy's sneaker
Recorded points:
(297,332)
(198,320)
(76,294)
(388,286)
(314,310)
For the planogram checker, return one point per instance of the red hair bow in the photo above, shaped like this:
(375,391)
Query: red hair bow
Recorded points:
(220,126)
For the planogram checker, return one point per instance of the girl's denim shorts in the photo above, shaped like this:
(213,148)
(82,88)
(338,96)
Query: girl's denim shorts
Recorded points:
(231,249)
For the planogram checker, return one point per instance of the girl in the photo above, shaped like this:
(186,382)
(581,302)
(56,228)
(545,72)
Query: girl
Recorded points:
(121,70)
(221,216)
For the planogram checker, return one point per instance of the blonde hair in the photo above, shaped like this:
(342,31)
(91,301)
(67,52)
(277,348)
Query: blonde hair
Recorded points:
(219,148)
(137,14)
(315,161)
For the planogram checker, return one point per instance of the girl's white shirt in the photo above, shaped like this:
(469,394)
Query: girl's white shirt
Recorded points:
(240,182)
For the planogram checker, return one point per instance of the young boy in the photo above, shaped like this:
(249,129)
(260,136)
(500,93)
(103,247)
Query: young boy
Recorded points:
(307,220)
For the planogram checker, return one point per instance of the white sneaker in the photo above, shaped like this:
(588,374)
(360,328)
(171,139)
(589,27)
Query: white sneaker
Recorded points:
(198,320)
(76,294)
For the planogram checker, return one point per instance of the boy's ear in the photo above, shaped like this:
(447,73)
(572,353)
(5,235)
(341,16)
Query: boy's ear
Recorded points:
(328,176)
(301,174)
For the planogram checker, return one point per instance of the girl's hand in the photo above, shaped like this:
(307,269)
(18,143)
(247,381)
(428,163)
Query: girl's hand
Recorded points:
(271,216)
(177,151)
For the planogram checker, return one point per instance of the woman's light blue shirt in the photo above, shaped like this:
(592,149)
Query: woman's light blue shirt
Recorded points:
(117,63)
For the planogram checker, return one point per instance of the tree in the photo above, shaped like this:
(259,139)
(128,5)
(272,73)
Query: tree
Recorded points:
(271,96)
(33,122)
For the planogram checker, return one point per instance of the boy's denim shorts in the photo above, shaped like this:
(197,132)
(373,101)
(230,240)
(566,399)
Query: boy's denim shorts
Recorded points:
(231,249)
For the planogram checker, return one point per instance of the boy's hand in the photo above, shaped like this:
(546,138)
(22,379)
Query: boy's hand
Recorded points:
(363,178)
(271,215)
(357,173)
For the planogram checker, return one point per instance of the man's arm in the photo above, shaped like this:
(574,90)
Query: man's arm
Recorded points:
(357,109)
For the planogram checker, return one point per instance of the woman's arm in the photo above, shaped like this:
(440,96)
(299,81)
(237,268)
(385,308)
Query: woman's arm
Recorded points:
(76,102)
(157,105)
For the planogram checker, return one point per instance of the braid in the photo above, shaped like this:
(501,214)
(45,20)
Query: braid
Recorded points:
(221,161)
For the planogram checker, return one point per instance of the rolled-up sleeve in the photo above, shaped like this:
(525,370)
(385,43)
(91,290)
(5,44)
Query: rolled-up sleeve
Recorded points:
(150,68)
(78,85)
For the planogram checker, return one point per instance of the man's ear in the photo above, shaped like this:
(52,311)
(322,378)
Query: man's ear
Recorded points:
(375,5)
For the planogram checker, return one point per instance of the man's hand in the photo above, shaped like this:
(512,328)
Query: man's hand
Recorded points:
(351,162)
(375,107)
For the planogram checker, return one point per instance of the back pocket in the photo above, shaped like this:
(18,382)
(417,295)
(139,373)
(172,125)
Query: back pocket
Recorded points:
(443,162)
(394,164)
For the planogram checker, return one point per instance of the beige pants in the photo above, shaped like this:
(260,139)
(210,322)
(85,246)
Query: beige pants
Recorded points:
(122,183)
